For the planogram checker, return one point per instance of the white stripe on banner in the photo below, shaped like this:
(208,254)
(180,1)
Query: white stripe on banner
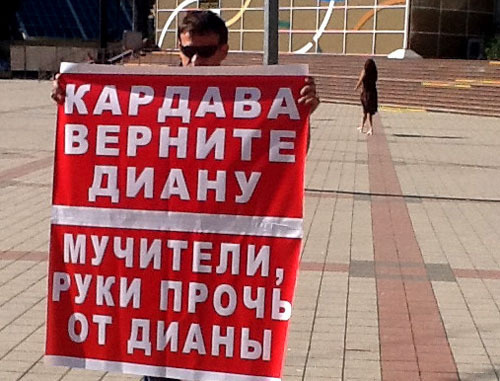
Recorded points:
(261,70)
(150,370)
(177,221)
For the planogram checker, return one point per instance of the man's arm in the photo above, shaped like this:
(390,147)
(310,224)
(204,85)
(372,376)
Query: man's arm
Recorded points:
(309,97)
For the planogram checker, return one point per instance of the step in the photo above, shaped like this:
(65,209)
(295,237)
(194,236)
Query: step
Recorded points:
(400,82)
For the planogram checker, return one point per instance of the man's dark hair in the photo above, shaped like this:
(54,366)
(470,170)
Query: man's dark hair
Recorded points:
(204,22)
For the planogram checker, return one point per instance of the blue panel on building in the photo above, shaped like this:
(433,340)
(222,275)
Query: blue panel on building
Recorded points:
(73,19)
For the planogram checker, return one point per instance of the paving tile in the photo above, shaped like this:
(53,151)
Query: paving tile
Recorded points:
(39,377)
(323,372)
(120,377)
(9,376)
(14,365)
(439,376)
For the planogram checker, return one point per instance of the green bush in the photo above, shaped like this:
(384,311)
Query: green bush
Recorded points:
(492,49)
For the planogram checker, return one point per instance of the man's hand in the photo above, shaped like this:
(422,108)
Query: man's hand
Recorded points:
(57,93)
(308,94)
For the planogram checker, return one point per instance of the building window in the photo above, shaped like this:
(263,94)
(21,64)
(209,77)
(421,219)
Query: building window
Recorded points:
(305,26)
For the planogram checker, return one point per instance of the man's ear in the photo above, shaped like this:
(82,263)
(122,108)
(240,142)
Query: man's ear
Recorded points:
(224,50)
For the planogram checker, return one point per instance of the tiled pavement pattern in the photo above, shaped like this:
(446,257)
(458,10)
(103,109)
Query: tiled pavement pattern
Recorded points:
(400,272)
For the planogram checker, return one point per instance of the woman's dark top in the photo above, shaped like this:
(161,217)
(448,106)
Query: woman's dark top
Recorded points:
(369,96)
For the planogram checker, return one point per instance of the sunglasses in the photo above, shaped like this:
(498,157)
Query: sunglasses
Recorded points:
(201,51)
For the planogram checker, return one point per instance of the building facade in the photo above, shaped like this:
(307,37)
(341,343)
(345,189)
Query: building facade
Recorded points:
(433,28)
(451,28)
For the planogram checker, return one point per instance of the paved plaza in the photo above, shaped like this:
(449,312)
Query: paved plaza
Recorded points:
(400,271)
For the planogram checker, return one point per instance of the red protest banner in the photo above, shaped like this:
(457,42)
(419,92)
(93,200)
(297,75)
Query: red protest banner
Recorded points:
(177,219)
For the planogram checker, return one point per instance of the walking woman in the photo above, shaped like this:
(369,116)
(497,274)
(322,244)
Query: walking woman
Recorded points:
(369,97)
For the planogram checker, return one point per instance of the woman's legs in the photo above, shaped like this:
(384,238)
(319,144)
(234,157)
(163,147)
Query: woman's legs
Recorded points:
(370,122)
(363,121)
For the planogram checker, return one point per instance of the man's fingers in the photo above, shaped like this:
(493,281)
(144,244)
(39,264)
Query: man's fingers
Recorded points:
(57,92)
(302,100)
(308,94)
(309,80)
(308,99)
(312,102)
(308,89)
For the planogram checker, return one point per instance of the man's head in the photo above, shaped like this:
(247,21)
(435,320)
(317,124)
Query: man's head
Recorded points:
(202,39)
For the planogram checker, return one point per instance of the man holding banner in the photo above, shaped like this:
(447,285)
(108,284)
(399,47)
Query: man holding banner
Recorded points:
(177,214)
(203,42)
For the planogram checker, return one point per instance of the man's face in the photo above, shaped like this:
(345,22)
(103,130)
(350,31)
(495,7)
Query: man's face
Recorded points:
(201,50)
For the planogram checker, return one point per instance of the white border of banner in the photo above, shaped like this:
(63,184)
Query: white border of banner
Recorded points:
(270,70)
(150,370)
(264,226)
